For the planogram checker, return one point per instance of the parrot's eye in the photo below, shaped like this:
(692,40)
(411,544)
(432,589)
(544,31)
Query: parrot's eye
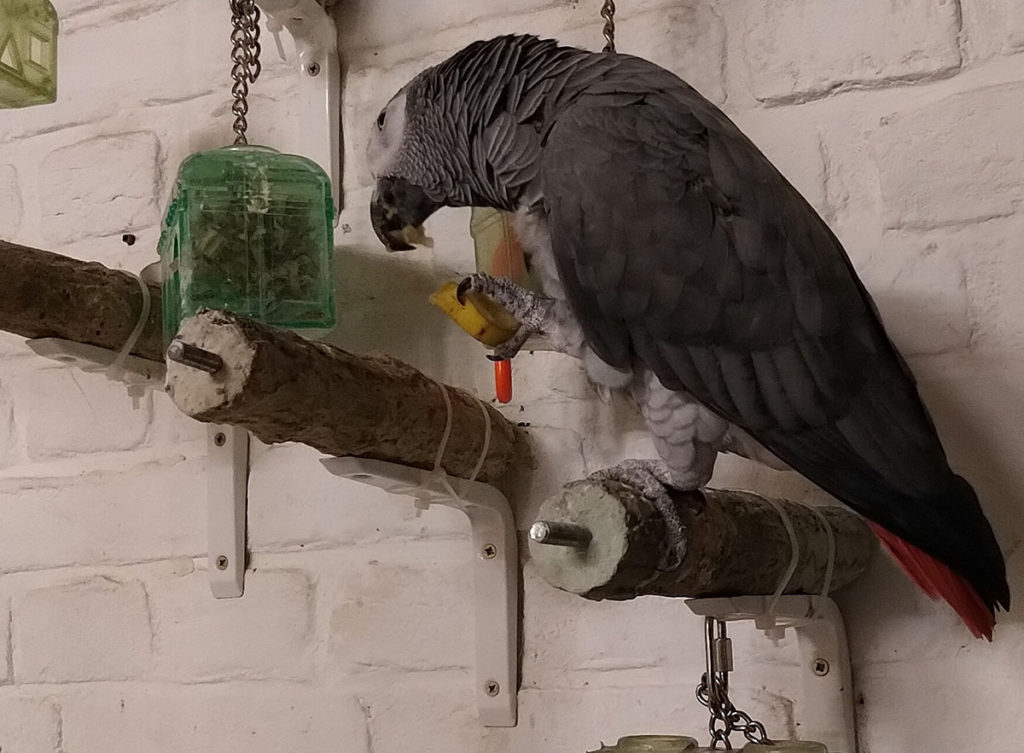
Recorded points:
(380,121)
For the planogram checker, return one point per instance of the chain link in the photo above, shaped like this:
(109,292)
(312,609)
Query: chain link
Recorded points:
(245,56)
(713,693)
(608,14)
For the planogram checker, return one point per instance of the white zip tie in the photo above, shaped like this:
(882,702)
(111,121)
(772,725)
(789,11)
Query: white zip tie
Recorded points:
(274,27)
(487,440)
(794,559)
(830,567)
(115,371)
(447,427)
(439,472)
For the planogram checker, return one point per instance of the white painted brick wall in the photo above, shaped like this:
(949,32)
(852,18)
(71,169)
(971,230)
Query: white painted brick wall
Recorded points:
(253,717)
(99,418)
(10,198)
(88,630)
(6,664)
(123,169)
(804,48)
(197,638)
(6,426)
(412,611)
(146,510)
(295,504)
(969,178)
(897,119)
(29,723)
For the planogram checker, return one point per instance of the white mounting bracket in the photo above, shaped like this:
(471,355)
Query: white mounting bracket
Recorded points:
(227,464)
(316,41)
(495,570)
(138,374)
(227,482)
(826,704)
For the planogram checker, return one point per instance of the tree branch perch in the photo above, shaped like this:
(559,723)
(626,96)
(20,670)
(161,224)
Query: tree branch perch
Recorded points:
(735,543)
(284,388)
(49,295)
(273,382)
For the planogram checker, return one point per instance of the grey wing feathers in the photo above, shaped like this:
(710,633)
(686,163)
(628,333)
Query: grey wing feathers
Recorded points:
(679,244)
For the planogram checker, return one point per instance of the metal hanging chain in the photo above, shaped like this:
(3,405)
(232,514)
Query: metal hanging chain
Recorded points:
(245,55)
(713,691)
(608,14)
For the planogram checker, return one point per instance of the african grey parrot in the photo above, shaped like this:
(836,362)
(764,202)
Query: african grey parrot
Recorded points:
(679,264)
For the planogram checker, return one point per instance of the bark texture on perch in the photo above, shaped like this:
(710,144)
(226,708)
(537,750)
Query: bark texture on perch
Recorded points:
(49,295)
(283,388)
(736,543)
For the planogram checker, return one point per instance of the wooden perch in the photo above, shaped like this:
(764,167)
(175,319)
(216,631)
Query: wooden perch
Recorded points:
(49,295)
(735,543)
(274,383)
(284,388)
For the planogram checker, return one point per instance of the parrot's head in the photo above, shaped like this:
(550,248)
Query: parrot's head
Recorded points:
(408,190)
(466,132)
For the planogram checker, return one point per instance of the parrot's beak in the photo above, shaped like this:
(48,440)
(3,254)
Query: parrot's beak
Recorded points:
(398,210)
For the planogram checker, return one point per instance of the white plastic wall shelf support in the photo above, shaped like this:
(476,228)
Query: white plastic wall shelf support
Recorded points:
(139,374)
(316,41)
(495,570)
(825,706)
(227,481)
(227,463)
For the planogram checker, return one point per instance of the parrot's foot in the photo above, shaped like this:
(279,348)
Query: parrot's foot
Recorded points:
(529,309)
(653,478)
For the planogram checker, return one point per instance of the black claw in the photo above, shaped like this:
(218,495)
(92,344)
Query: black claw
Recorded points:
(464,287)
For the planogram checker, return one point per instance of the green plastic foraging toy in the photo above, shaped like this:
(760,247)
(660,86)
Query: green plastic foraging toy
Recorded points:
(249,229)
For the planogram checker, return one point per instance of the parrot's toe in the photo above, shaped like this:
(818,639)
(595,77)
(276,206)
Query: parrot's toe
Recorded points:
(653,479)
(528,308)
(512,346)
(525,305)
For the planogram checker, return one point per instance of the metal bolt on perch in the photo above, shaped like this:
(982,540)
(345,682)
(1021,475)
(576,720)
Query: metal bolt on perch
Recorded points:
(557,533)
(198,358)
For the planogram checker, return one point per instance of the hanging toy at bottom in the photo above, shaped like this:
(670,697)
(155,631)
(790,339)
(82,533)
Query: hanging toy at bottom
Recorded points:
(500,254)
(249,229)
(673,744)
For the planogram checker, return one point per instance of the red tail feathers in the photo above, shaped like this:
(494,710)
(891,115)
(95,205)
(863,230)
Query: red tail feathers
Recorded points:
(938,581)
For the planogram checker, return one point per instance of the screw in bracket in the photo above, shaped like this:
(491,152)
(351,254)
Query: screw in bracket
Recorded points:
(220,439)
(489,551)
(492,688)
(313,69)
(820,667)
(222,562)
